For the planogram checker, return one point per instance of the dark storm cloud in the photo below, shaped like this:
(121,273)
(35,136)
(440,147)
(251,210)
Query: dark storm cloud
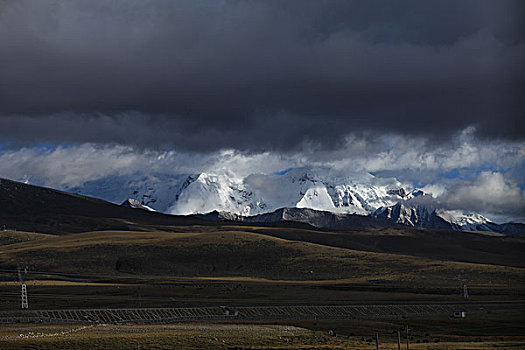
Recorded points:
(257,75)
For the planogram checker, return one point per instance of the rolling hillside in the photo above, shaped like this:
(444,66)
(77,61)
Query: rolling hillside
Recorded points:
(82,235)
(33,208)
(202,252)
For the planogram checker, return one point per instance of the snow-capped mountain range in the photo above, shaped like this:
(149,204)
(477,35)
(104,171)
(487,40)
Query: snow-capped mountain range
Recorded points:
(314,188)
(320,189)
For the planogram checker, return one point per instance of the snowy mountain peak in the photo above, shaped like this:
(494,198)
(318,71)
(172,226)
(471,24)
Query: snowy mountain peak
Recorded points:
(316,198)
(209,192)
(465,221)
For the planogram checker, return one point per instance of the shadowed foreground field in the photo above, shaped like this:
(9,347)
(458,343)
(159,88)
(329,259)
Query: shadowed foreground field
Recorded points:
(425,334)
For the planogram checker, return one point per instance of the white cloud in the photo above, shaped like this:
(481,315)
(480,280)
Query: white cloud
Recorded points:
(435,190)
(489,193)
(396,152)
(66,167)
(69,166)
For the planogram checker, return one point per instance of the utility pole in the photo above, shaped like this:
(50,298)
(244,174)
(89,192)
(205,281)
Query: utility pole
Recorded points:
(377,341)
(408,341)
(398,340)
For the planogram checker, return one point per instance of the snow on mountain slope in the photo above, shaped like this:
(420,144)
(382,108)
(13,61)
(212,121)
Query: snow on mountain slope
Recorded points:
(421,216)
(315,188)
(135,204)
(461,218)
(207,192)
(324,189)
(465,221)
(418,216)
(155,191)
(316,198)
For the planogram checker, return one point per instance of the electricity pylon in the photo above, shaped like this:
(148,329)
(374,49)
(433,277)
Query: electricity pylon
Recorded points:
(465,291)
(25,304)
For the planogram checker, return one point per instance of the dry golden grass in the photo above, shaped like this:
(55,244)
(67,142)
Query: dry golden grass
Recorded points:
(10,236)
(213,336)
(244,256)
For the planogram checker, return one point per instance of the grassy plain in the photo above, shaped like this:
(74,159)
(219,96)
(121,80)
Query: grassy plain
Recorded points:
(206,252)
(425,334)
(196,265)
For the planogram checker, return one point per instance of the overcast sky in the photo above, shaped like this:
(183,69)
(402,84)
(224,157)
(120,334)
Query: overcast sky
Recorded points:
(428,91)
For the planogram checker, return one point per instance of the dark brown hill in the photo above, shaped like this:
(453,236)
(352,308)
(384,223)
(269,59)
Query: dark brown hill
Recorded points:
(33,208)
